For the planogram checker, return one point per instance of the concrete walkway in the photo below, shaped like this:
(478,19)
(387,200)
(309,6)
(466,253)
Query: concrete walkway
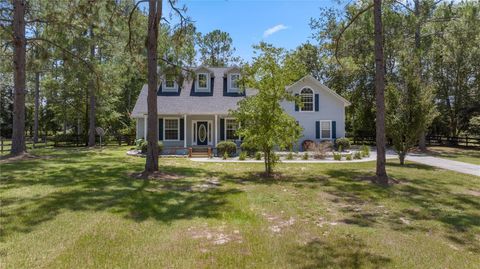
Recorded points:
(460,167)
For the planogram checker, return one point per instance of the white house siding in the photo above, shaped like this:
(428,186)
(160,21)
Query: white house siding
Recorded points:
(330,108)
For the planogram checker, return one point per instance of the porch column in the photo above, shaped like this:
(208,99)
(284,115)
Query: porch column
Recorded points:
(216,132)
(184,130)
(145,127)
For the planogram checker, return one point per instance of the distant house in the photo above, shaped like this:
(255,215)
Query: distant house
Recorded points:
(195,114)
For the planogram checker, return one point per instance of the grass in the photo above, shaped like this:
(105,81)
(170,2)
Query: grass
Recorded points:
(74,208)
(457,154)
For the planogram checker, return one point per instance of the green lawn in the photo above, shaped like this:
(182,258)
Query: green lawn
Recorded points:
(457,154)
(75,208)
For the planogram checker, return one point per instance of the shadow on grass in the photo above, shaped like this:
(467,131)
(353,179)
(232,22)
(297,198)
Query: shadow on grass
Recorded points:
(347,252)
(104,185)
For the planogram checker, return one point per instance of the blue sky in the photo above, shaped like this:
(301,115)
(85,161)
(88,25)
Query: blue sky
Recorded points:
(282,23)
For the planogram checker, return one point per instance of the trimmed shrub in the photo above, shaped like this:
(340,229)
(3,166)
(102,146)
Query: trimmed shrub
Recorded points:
(228,147)
(248,149)
(289,156)
(343,142)
(337,156)
(348,157)
(225,155)
(242,156)
(138,143)
(320,149)
(340,148)
(305,156)
(357,155)
(365,151)
(307,145)
(258,156)
(144,144)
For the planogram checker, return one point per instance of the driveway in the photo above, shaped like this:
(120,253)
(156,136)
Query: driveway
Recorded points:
(460,167)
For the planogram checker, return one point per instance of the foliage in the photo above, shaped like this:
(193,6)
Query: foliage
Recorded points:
(242,156)
(410,108)
(337,156)
(365,151)
(357,155)
(265,124)
(215,48)
(228,147)
(321,149)
(343,142)
(225,155)
(340,148)
(289,156)
(348,157)
(474,126)
(250,150)
(305,156)
(144,144)
(258,156)
(308,145)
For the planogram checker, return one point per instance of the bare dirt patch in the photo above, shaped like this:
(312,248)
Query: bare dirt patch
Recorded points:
(215,236)
(23,157)
(277,223)
(475,193)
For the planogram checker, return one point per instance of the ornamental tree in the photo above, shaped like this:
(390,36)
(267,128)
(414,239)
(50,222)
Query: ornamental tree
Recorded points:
(263,122)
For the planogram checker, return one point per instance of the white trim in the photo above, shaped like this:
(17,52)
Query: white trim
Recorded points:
(178,128)
(194,138)
(215,137)
(169,89)
(329,121)
(197,86)
(145,127)
(184,130)
(230,88)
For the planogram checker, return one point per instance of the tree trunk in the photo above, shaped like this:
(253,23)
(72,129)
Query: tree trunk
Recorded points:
(401,156)
(37,107)
(19,42)
(91,112)
(154,15)
(381,173)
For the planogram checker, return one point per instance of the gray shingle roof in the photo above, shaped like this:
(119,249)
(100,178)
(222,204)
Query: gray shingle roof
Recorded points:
(184,103)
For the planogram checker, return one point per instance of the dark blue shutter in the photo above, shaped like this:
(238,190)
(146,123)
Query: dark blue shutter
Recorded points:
(193,86)
(225,85)
(160,129)
(182,129)
(296,105)
(334,129)
(316,101)
(212,81)
(159,89)
(317,130)
(222,129)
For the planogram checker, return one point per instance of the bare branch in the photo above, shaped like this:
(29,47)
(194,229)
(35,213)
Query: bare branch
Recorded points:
(404,5)
(337,40)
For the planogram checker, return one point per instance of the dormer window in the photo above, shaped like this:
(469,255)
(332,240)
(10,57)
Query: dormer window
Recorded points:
(170,83)
(233,82)
(202,82)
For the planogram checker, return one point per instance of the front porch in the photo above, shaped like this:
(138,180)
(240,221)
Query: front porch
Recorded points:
(186,134)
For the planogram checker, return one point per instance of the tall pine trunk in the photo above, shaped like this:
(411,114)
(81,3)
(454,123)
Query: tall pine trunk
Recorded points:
(381,173)
(91,112)
(19,42)
(154,14)
(37,108)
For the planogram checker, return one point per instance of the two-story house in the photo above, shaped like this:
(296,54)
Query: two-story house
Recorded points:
(195,114)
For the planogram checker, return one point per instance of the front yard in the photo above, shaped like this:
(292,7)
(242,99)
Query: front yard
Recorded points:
(80,208)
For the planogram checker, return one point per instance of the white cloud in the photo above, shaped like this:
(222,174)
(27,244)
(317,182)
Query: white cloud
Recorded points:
(274,29)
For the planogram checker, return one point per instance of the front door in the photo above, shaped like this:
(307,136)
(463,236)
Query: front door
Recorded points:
(202,133)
